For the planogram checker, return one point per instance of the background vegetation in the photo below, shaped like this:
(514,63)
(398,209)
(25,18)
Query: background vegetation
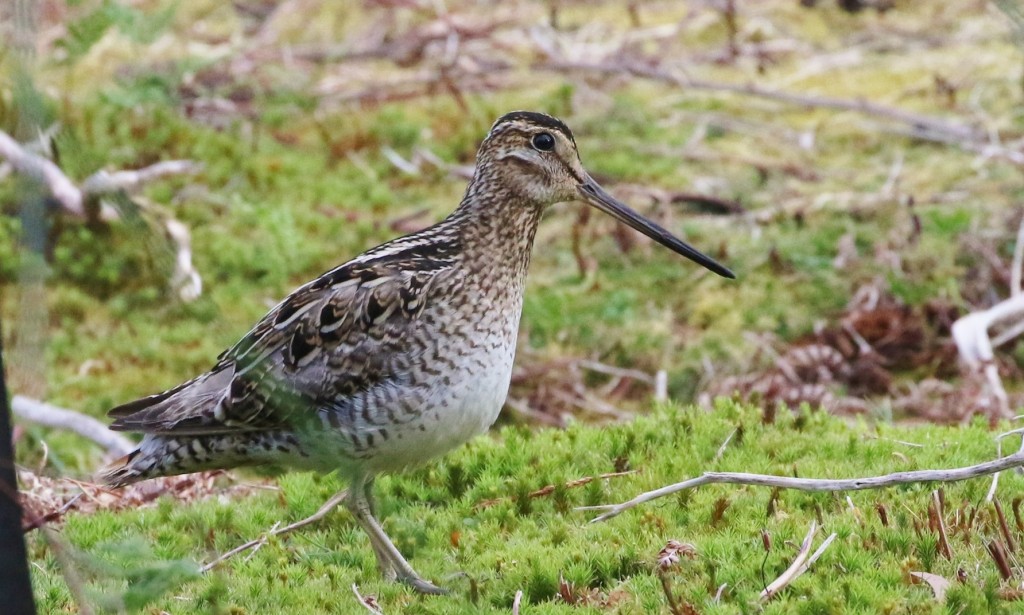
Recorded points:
(856,164)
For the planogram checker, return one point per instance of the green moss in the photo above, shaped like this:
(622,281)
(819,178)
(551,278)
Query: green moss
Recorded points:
(294,183)
(529,543)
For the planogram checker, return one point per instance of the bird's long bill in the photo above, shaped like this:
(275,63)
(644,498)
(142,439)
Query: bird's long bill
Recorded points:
(599,198)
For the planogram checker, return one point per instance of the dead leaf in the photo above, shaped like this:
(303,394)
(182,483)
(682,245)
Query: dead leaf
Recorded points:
(938,584)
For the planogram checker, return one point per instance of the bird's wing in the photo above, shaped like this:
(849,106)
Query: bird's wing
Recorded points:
(340,335)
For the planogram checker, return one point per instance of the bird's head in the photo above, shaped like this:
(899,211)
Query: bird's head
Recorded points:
(534,156)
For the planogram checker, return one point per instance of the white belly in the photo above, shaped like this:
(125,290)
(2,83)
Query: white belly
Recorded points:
(452,414)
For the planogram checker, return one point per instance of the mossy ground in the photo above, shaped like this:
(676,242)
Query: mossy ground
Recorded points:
(487,553)
(295,182)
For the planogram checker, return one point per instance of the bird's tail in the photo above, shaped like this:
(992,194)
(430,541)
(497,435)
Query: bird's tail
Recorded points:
(121,471)
(159,455)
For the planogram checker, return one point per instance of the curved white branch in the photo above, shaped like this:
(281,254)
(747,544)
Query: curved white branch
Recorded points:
(42,413)
(35,166)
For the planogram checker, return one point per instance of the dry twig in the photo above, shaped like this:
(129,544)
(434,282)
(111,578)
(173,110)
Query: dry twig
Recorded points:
(328,506)
(42,413)
(803,561)
(936,511)
(86,202)
(971,334)
(814,484)
(368,602)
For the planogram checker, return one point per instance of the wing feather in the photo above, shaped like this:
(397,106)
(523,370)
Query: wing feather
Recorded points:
(336,336)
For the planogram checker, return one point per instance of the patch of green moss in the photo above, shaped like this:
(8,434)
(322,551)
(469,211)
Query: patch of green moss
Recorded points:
(525,542)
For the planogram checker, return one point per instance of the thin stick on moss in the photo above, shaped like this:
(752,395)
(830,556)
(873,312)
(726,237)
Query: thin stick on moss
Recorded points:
(937,510)
(814,484)
(369,602)
(800,564)
(721,449)
(328,506)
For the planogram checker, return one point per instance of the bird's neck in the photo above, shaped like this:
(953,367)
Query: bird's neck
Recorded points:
(497,227)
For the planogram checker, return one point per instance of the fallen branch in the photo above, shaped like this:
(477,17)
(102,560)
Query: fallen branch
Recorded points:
(803,561)
(46,172)
(86,202)
(42,413)
(104,182)
(974,342)
(813,484)
(524,410)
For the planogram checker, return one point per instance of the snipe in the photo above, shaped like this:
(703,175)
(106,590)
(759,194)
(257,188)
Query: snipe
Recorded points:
(391,359)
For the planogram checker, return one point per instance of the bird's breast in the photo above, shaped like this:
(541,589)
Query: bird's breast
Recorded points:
(462,381)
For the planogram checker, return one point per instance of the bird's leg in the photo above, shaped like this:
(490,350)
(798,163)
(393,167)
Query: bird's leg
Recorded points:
(387,569)
(388,556)
(368,494)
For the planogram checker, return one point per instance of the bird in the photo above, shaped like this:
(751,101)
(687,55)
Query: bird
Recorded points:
(391,359)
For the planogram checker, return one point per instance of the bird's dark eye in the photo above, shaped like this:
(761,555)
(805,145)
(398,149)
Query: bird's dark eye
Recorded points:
(544,141)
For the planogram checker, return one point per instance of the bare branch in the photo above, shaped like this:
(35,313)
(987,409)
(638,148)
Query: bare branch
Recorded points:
(185,280)
(661,385)
(817,553)
(104,182)
(814,484)
(971,334)
(1018,260)
(523,409)
(803,561)
(46,172)
(611,370)
(328,506)
(369,602)
(42,413)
